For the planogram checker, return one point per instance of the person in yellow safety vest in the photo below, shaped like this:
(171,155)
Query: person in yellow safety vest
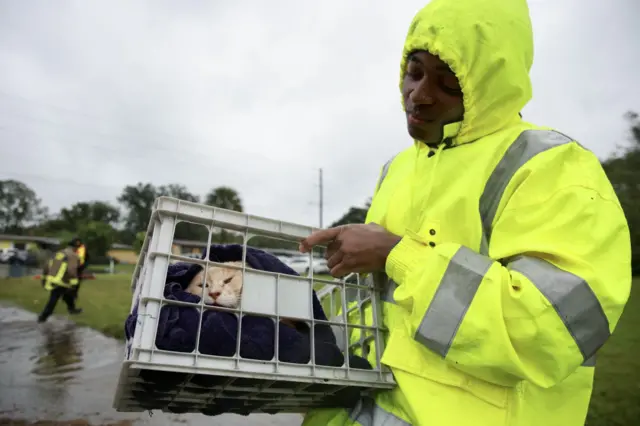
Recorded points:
(81,251)
(60,277)
(504,251)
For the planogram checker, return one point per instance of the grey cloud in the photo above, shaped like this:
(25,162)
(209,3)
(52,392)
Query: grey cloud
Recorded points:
(210,93)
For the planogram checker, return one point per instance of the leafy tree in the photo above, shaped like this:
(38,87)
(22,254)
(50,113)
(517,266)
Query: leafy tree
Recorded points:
(94,222)
(124,236)
(185,230)
(274,243)
(177,191)
(623,169)
(137,200)
(94,211)
(228,198)
(138,242)
(20,207)
(354,215)
(225,198)
(69,219)
(98,237)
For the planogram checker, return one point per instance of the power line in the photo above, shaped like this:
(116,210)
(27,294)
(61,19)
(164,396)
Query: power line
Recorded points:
(186,157)
(118,149)
(111,137)
(82,113)
(51,178)
(147,146)
(321,196)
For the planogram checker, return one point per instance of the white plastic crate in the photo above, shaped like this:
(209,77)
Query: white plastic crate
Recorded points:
(151,378)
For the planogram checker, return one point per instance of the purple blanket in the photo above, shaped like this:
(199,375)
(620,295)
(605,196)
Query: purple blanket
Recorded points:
(178,325)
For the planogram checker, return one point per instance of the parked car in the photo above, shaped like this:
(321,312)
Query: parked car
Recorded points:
(192,255)
(284,259)
(189,255)
(16,254)
(302,266)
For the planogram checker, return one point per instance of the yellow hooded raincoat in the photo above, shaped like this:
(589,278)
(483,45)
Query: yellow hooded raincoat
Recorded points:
(515,261)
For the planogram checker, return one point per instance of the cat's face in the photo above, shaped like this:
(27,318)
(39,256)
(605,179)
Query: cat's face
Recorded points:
(223,286)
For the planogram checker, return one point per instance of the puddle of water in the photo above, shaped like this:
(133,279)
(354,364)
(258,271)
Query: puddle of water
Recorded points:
(58,371)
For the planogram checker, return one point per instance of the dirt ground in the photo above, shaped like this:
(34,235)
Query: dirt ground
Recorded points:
(58,373)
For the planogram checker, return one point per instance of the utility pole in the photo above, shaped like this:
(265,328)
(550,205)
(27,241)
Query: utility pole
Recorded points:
(321,201)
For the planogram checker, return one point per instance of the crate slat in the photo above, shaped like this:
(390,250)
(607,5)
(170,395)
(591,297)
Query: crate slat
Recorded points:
(153,379)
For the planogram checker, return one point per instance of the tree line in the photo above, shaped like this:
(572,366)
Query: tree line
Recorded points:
(102,223)
(623,169)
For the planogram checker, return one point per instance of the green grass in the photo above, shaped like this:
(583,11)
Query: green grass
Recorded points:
(106,301)
(119,268)
(616,394)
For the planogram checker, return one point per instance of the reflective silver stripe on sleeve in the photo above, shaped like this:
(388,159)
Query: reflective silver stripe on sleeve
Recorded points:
(453,297)
(385,285)
(388,290)
(573,300)
(529,144)
(385,170)
(351,295)
(368,413)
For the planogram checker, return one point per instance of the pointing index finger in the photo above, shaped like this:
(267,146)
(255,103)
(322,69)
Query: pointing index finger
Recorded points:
(322,236)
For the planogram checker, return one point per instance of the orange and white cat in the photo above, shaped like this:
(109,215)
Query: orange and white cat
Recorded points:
(223,285)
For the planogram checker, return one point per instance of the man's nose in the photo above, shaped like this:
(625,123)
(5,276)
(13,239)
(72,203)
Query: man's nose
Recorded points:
(422,94)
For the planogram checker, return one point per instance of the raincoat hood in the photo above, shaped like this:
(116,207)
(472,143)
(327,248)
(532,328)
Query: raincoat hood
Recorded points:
(488,44)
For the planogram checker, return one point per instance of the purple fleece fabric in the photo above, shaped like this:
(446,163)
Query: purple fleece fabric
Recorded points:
(178,325)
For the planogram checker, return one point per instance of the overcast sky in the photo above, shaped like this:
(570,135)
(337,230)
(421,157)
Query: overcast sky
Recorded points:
(258,95)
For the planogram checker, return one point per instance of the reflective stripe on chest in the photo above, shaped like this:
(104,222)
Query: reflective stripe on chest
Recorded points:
(582,314)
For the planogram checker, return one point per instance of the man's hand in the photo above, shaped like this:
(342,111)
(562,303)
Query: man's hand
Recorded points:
(353,248)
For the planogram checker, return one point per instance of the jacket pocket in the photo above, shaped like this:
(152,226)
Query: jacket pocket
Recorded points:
(405,354)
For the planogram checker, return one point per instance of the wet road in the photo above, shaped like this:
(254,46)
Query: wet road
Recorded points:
(58,371)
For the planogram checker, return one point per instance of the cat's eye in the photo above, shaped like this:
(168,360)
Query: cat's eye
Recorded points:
(228,280)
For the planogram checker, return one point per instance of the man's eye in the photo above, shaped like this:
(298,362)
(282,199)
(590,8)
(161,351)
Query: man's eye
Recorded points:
(414,73)
(450,84)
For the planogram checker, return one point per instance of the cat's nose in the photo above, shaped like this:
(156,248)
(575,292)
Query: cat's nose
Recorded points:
(214,295)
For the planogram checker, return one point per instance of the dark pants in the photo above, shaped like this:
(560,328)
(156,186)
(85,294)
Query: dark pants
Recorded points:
(76,288)
(54,295)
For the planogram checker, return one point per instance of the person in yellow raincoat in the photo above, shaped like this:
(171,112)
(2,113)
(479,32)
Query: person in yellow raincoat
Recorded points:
(59,278)
(81,252)
(505,252)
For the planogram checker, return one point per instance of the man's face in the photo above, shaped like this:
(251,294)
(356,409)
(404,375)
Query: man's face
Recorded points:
(432,97)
